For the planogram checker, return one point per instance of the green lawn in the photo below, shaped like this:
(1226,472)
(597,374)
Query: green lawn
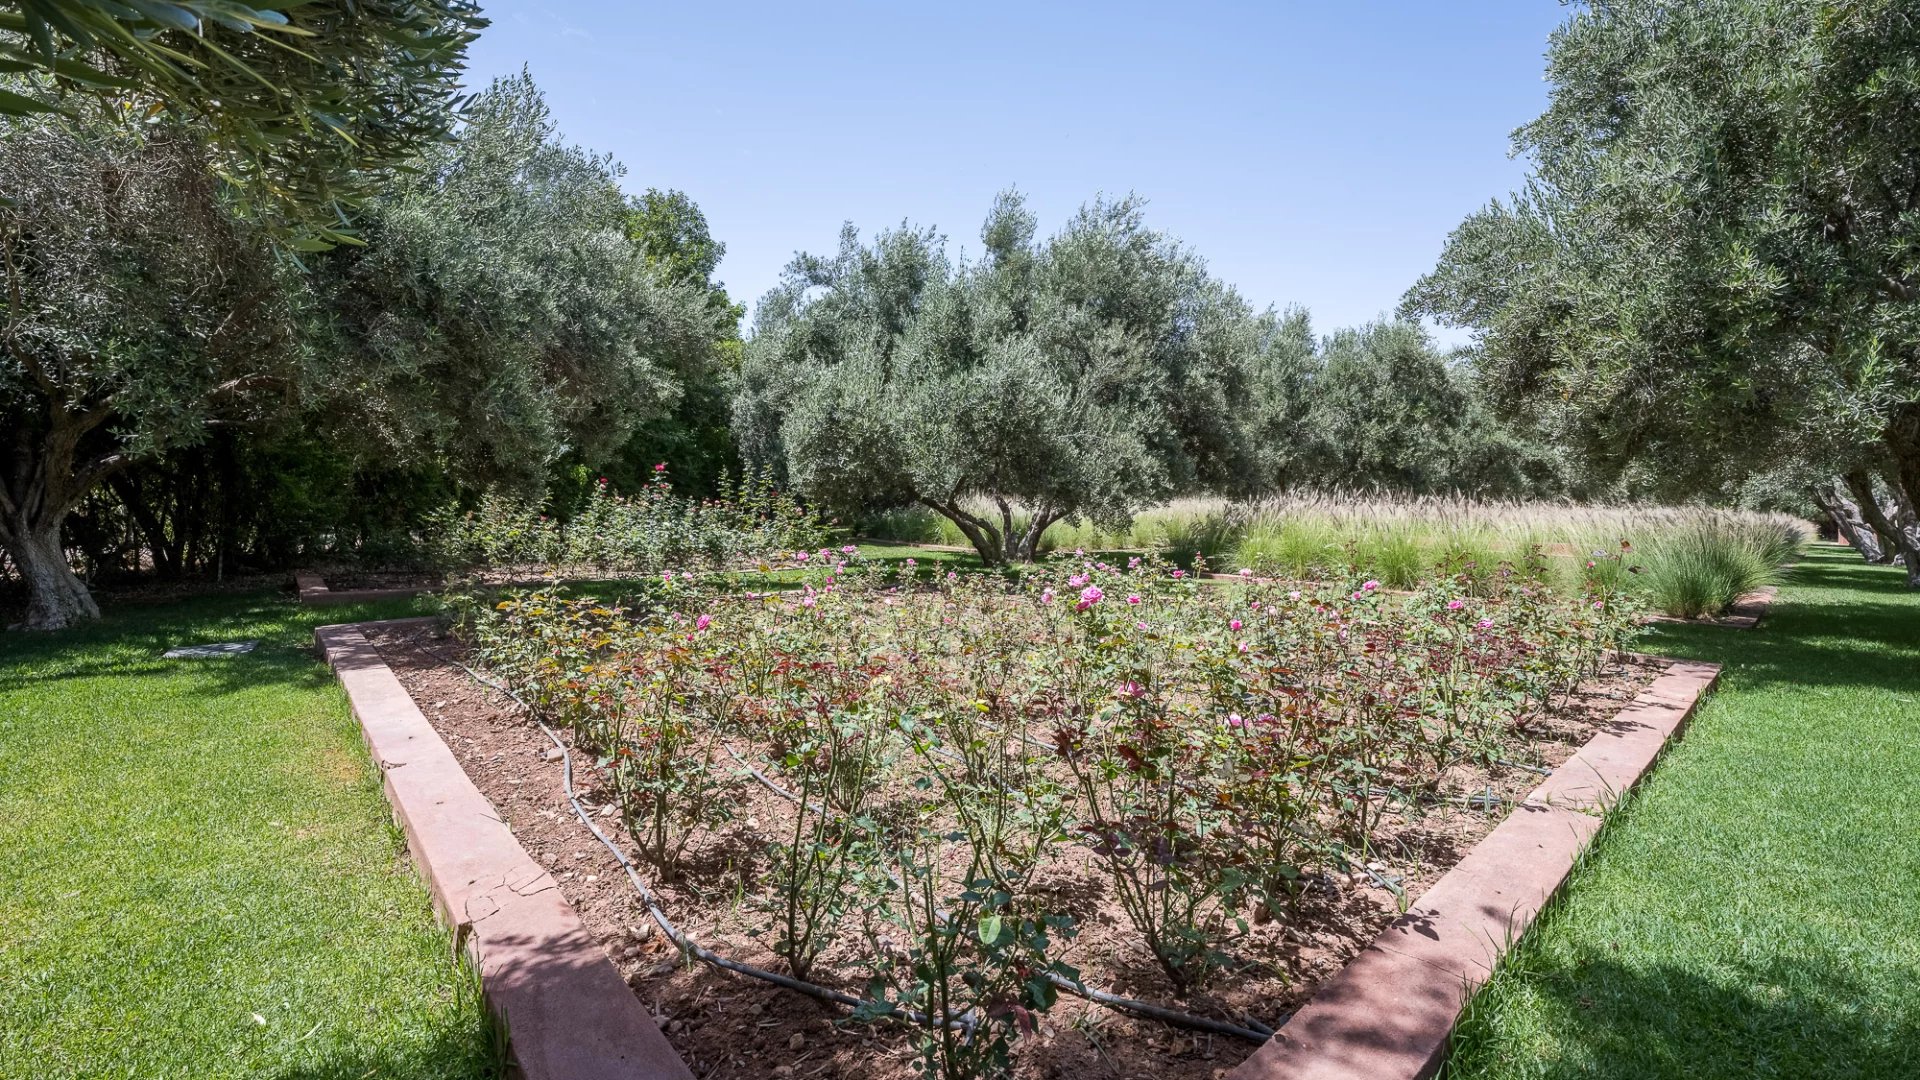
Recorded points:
(198,874)
(1755,911)
(188,845)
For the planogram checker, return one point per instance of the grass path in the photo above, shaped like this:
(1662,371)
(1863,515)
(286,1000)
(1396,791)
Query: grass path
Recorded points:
(1755,911)
(198,875)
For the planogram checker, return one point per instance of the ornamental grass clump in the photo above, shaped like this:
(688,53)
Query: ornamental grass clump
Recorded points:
(959,753)
(1705,568)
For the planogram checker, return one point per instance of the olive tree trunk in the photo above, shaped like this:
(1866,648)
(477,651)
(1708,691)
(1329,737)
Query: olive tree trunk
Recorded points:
(997,544)
(1859,484)
(1906,524)
(1846,516)
(43,476)
(1903,481)
(56,597)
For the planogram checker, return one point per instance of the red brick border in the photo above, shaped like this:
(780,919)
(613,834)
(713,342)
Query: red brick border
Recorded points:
(1388,1014)
(568,1013)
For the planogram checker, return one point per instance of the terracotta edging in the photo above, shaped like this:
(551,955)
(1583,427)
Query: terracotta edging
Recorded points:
(568,1013)
(313,590)
(1388,1014)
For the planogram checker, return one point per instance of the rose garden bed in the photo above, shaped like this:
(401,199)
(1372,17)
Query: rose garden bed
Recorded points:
(1094,749)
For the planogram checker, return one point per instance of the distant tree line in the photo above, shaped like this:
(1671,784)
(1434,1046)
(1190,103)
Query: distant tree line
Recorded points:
(1706,290)
(1091,374)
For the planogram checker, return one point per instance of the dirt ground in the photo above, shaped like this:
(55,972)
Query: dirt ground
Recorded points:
(727,1026)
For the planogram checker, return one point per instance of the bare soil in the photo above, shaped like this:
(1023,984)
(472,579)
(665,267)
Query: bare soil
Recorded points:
(726,1026)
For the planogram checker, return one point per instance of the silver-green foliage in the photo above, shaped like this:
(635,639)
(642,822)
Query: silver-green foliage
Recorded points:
(1715,263)
(1086,375)
(501,312)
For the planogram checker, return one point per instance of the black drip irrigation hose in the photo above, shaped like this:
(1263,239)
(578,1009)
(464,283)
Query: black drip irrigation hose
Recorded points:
(687,946)
(1253,1030)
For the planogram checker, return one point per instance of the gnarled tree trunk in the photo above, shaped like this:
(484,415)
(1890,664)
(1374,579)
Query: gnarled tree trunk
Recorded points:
(1002,544)
(1903,480)
(1847,518)
(1860,485)
(42,478)
(1906,524)
(55,596)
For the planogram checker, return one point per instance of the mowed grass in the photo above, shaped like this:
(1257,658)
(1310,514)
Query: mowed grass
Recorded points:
(198,873)
(1755,911)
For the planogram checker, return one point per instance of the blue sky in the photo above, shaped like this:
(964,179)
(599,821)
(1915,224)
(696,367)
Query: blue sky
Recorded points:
(1315,154)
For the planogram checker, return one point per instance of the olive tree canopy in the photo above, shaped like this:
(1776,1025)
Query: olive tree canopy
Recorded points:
(1715,265)
(137,314)
(307,106)
(1089,374)
(499,318)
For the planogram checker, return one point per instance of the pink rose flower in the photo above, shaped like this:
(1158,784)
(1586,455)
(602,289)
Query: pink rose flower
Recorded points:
(703,622)
(1456,605)
(1234,624)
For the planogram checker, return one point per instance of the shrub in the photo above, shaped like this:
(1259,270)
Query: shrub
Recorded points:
(655,530)
(1208,748)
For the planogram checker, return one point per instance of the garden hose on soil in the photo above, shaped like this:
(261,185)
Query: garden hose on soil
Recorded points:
(686,945)
(1252,1030)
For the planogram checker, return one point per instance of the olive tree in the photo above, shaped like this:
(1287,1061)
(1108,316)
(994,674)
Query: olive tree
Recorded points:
(1085,375)
(1716,260)
(500,317)
(138,313)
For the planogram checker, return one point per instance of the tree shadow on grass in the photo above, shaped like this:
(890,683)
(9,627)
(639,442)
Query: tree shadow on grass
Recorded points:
(1869,640)
(461,1055)
(1778,1016)
(129,642)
